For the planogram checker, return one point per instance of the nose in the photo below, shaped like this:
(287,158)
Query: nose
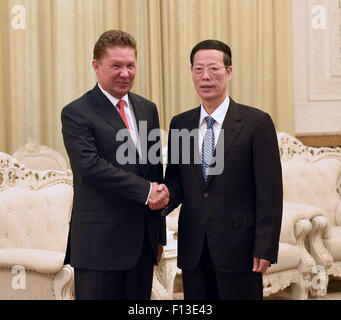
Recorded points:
(205,74)
(124,72)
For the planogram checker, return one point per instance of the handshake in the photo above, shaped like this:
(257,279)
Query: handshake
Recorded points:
(159,196)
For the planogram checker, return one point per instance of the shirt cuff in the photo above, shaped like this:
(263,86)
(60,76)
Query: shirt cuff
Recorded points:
(150,191)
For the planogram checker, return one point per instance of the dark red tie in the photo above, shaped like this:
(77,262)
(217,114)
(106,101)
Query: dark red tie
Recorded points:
(120,106)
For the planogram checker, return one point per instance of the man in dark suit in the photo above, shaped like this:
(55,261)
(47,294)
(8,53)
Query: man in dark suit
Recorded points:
(114,238)
(229,182)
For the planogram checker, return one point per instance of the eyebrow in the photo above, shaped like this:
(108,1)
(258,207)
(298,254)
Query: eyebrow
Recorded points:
(210,64)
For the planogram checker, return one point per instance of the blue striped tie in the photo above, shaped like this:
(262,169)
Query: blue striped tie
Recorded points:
(208,145)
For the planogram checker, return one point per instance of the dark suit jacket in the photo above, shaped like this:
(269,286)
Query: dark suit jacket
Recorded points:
(238,210)
(109,217)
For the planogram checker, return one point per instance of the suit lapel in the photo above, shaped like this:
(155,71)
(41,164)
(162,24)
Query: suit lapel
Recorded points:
(141,115)
(193,124)
(106,109)
(108,112)
(140,112)
(230,129)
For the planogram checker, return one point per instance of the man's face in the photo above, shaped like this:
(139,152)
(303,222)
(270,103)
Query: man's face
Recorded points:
(116,70)
(210,76)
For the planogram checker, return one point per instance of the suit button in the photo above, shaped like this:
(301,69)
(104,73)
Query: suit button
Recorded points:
(206,195)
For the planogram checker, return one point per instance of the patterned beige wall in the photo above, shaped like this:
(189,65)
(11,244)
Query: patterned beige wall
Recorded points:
(317,65)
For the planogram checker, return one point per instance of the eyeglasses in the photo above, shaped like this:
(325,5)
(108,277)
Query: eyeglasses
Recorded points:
(213,70)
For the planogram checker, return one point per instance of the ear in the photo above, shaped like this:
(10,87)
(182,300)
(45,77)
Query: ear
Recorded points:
(95,65)
(229,72)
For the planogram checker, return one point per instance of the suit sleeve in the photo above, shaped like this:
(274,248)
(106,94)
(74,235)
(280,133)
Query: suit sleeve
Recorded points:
(90,167)
(162,219)
(269,190)
(173,176)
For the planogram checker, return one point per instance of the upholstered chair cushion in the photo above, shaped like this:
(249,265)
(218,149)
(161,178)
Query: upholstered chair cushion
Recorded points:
(315,184)
(293,212)
(35,219)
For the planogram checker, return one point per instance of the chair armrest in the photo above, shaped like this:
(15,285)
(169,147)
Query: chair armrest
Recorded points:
(42,261)
(49,264)
(320,226)
(63,284)
(293,212)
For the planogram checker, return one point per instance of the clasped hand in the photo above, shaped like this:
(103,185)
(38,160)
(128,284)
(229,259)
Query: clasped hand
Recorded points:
(159,196)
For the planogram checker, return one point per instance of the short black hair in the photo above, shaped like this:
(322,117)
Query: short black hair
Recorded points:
(213,45)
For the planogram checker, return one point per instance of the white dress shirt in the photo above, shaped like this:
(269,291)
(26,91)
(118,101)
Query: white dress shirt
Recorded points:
(129,112)
(218,115)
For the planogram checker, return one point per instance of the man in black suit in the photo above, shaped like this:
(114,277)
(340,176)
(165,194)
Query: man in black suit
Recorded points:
(229,182)
(114,238)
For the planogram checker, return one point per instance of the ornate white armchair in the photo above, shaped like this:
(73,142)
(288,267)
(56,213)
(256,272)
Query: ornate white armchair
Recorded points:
(35,209)
(312,176)
(34,217)
(295,264)
(39,157)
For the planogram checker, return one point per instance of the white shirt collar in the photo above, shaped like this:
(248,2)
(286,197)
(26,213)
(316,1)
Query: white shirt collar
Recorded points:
(112,99)
(218,115)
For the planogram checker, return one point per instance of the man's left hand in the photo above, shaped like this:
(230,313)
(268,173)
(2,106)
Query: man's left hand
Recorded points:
(159,252)
(260,265)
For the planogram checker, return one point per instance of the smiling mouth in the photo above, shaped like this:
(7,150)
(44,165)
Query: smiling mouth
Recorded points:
(123,84)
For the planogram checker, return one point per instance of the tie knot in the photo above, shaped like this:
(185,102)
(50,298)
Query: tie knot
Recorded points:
(120,104)
(210,121)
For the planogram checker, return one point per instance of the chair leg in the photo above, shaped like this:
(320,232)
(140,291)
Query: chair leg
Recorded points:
(319,283)
(300,290)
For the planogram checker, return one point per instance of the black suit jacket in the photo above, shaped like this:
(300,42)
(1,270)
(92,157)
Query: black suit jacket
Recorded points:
(239,210)
(109,217)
